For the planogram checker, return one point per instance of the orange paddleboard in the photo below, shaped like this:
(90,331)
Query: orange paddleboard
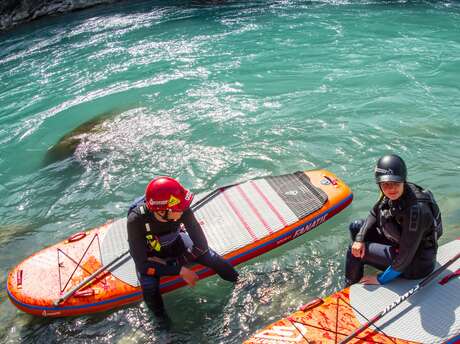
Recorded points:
(430,316)
(240,222)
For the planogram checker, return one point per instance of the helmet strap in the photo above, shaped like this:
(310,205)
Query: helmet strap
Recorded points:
(165,216)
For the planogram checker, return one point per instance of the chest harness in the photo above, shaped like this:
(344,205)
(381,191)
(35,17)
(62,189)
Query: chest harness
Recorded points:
(388,211)
(156,241)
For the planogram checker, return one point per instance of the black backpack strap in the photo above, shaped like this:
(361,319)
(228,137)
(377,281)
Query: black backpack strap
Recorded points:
(136,203)
(425,195)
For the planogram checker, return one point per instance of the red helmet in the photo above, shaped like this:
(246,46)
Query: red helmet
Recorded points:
(165,193)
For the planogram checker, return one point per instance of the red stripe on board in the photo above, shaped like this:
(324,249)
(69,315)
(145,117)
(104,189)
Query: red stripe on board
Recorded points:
(254,209)
(271,206)
(240,217)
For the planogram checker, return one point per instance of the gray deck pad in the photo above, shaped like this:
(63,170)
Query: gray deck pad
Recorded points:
(430,316)
(114,243)
(235,217)
(247,212)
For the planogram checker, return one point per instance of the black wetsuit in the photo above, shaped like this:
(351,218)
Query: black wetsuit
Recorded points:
(402,234)
(149,239)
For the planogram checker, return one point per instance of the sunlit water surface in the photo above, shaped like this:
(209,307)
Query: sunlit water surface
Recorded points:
(214,92)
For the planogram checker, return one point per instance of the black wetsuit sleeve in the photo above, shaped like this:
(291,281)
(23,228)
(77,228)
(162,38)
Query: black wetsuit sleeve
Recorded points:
(195,231)
(138,249)
(415,225)
(370,222)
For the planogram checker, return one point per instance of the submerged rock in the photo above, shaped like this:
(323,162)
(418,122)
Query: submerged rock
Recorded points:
(67,144)
(13,12)
(14,231)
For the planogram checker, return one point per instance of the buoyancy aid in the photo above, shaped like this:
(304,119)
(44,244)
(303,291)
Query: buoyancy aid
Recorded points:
(390,216)
(425,195)
(168,243)
(437,219)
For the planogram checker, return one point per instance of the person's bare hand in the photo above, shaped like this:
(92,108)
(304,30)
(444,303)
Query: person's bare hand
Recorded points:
(358,249)
(369,280)
(189,276)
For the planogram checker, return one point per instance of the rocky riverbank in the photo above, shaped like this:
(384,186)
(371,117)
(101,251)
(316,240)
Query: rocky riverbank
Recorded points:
(13,12)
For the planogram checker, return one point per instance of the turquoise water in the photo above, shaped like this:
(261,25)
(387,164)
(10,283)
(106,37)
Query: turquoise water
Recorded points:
(213,92)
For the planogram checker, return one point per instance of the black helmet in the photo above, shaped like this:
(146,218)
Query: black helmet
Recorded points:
(390,168)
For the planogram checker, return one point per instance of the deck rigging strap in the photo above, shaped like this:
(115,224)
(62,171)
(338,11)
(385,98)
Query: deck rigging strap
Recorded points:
(292,320)
(77,264)
(88,279)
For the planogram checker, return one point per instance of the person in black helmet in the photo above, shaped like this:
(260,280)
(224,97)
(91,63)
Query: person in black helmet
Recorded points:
(400,234)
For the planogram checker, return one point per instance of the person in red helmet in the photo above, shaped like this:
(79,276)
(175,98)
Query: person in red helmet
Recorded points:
(164,236)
